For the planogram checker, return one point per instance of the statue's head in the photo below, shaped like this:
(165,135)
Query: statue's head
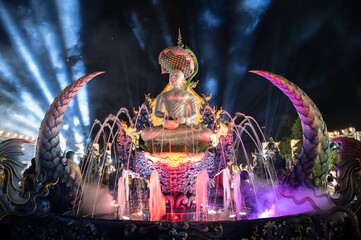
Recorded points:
(176,78)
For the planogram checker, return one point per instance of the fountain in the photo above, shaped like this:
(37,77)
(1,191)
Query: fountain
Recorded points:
(183,149)
(180,161)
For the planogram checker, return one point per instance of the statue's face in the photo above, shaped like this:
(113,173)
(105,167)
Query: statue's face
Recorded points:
(176,78)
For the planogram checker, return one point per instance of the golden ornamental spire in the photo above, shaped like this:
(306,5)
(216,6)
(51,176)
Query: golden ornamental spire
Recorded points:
(180,43)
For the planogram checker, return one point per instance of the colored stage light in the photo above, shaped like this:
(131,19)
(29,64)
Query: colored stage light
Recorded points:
(256,6)
(237,71)
(76,121)
(48,40)
(69,17)
(140,34)
(52,44)
(62,142)
(32,33)
(248,14)
(211,86)
(30,103)
(53,47)
(137,30)
(255,9)
(14,122)
(24,52)
(78,71)
(163,23)
(209,18)
(78,137)
(7,74)
(26,121)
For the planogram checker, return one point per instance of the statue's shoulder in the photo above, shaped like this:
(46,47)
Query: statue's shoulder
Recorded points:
(161,95)
(189,95)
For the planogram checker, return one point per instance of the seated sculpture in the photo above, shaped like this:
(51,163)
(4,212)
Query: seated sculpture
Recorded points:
(178,131)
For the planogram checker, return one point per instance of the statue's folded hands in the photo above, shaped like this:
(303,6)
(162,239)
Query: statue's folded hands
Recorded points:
(178,125)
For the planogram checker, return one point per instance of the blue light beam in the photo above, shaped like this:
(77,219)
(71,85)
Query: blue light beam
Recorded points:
(70,23)
(52,44)
(8,75)
(248,15)
(23,51)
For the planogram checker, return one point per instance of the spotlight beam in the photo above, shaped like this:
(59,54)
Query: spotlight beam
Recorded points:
(249,13)
(70,23)
(52,44)
(28,101)
(24,52)
(163,23)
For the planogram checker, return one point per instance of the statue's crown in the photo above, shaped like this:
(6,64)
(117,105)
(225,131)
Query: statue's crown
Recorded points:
(178,58)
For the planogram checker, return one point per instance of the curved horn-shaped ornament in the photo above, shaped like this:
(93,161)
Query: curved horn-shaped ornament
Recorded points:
(349,167)
(48,153)
(10,162)
(314,156)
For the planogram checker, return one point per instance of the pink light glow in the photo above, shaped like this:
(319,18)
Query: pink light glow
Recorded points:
(268,213)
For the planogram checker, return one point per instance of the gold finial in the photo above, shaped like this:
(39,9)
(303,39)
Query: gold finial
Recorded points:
(180,44)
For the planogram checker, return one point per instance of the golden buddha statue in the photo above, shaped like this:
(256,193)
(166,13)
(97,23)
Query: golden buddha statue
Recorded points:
(178,132)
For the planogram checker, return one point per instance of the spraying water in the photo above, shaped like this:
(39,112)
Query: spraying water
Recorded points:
(227,198)
(247,198)
(237,196)
(123,192)
(156,198)
(201,193)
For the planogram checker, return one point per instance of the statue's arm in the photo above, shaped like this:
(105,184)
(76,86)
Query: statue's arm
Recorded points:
(159,102)
(193,108)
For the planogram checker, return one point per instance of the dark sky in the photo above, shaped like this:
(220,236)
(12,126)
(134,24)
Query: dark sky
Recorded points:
(314,44)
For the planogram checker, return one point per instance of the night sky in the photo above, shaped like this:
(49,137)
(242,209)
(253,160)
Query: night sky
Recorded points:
(314,44)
